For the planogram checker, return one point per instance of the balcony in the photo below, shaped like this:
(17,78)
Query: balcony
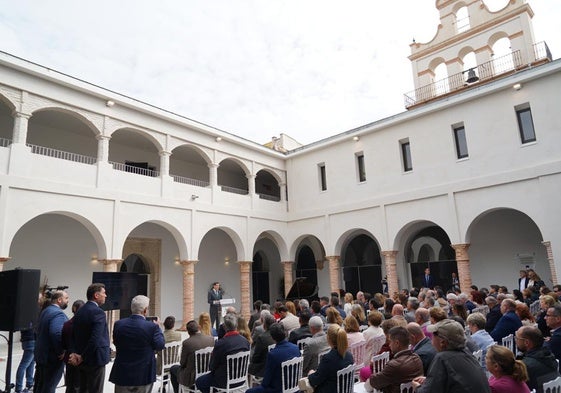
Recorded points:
(491,70)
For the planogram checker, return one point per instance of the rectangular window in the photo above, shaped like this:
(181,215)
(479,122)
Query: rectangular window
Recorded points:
(460,139)
(406,156)
(525,123)
(360,167)
(322,177)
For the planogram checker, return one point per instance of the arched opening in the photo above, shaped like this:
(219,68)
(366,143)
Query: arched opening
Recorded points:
(6,123)
(260,277)
(362,265)
(62,135)
(502,242)
(187,166)
(462,20)
(232,178)
(132,151)
(306,265)
(502,56)
(441,81)
(430,247)
(266,186)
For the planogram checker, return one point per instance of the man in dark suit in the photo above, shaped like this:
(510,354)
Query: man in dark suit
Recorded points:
(213,297)
(184,373)
(90,339)
(48,346)
(421,345)
(523,280)
(231,343)
(428,281)
(553,320)
(304,330)
(136,342)
(509,322)
(261,344)
(284,350)
(494,313)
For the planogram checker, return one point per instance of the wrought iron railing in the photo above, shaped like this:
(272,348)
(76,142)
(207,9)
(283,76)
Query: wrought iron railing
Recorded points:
(5,142)
(483,72)
(61,154)
(274,198)
(234,190)
(133,169)
(187,180)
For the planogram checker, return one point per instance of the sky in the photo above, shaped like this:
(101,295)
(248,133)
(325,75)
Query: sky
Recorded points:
(254,68)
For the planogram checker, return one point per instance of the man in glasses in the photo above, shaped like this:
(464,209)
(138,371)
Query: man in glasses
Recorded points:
(553,321)
(539,361)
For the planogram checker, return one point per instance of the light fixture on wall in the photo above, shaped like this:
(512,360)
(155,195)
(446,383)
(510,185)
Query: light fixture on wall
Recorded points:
(193,197)
(218,139)
(94,258)
(517,86)
(356,138)
(227,261)
(176,260)
(109,103)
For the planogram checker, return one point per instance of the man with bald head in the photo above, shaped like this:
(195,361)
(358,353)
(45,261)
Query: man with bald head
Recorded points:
(421,345)
(509,322)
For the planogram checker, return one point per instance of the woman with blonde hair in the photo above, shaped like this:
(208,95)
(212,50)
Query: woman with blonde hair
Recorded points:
(324,379)
(291,307)
(357,311)
(348,299)
(205,325)
(508,375)
(353,330)
(243,328)
(332,316)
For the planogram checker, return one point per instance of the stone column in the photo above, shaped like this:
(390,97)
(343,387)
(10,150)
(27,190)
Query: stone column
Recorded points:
(334,272)
(188,291)
(103,148)
(251,184)
(245,279)
(164,163)
(110,265)
(552,269)
(282,192)
(19,134)
(3,260)
(391,271)
(213,175)
(462,260)
(288,277)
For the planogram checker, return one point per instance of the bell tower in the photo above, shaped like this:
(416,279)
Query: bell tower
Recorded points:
(463,48)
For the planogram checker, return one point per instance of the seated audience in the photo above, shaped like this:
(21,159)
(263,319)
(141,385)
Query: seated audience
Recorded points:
(304,330)
(421,345)
(507,374)
(316,345)
(261,346)
(476,325)
(509,322)
(354,335)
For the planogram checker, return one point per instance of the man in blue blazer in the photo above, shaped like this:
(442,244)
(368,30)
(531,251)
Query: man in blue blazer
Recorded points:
(509,322)
(136,341)
(231,343)
(48,346)
(553,320)
(90,339)
(284,350)
(428,280)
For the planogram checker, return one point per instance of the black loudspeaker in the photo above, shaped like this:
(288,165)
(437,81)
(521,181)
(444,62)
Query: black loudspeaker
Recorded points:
(19,289)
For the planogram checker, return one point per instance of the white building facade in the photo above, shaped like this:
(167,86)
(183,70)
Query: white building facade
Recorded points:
(467,180)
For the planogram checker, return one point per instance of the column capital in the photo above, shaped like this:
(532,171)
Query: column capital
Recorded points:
(164,153)
(546,243)
(250,176)
(390,255)
(109,261)
(460,246)
(101,137)
(213,165)
(22,114)
(461,250)
(4,259)
(287,262)
(186,262)
(333,258)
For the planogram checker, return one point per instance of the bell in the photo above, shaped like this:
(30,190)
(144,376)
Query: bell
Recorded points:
(472,78)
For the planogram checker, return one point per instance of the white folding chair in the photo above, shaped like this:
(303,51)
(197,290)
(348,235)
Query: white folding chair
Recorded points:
(291,373)
(170,357)
(346,379)
(379,361)
(477,355)
(322,353)
(552,386)
(508,342)
(362,328)
(236,373)
(202,367)
(406,387)
(373,347)
(302,343)
(357,350)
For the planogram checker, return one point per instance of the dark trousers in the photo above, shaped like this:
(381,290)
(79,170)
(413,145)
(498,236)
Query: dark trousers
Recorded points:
(47,377)
(72,379)
(214,312)
(91,378)
(173,377)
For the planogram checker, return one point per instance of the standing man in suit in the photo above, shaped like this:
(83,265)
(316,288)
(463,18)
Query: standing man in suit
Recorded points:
(523,280)
(213,297)
(136,341)
(428,281)
(232,342)
(90,338)
(284,350)
(48,348)
(184,374)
